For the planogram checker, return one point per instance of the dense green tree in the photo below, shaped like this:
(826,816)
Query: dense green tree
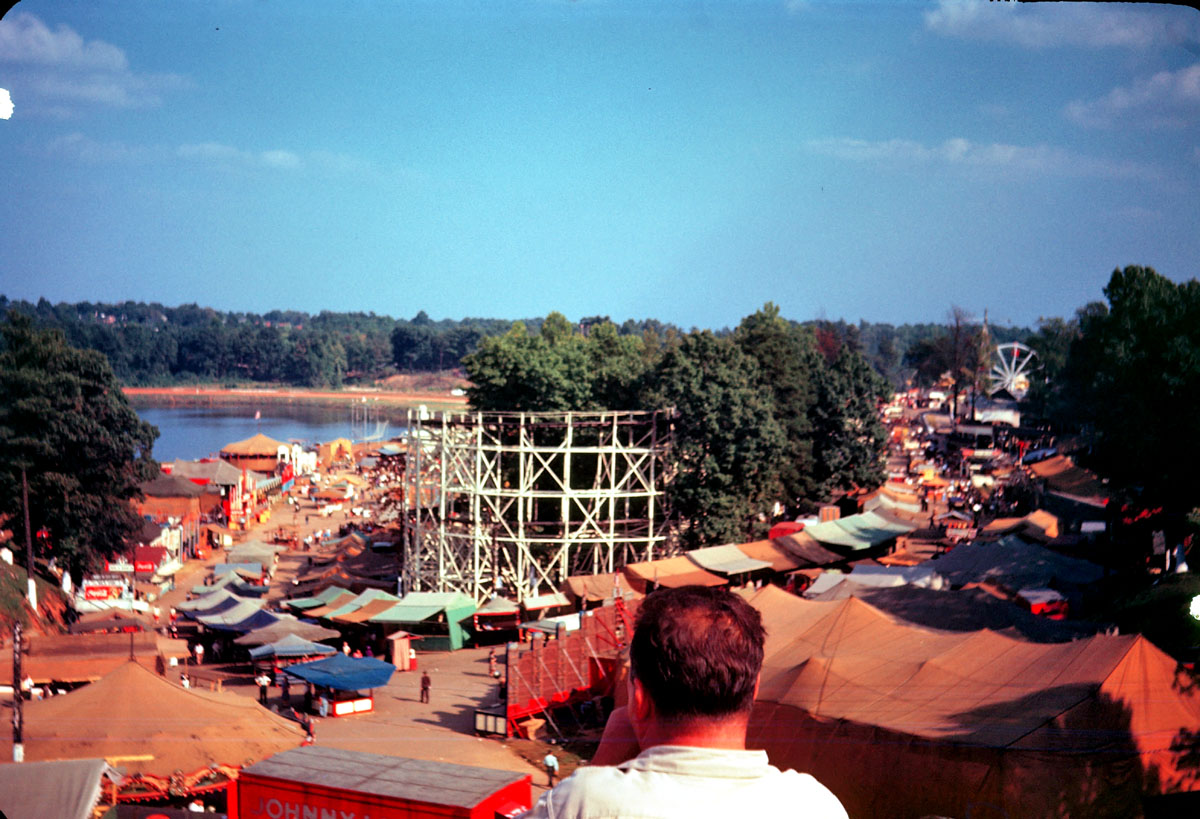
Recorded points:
(849,440)
(1134,375)
(788,366)
(317,359)
(538,373)
(728,443)
(1047,399)
(64,419)
(617,363)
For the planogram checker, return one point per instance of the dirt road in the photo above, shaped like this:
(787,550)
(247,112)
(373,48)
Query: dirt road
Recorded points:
(214,395)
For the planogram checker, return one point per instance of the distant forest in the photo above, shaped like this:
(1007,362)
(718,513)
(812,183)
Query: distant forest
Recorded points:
(153,345)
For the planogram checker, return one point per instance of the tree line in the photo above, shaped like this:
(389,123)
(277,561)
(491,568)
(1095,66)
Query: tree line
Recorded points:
(154,345)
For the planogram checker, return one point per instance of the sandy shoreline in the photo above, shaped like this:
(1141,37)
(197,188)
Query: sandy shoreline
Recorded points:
(206,396)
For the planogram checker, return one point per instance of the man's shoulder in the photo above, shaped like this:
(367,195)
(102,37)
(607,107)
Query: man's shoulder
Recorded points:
(663,790)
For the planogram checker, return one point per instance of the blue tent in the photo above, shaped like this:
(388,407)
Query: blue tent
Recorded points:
(345,673)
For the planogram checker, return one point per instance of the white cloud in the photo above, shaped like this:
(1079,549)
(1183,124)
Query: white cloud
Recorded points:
(280,159)
(958,152)
(212,151)
(228,155)
(26,39)
(1169,98)
(80,147)
(6,104)
(1045,25)
(60,66)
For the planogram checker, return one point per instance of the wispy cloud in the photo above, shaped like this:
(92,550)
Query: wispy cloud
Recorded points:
(1045,25)
(1167,99)
(80,147)
(1030,159)
(218,153)
(57,68)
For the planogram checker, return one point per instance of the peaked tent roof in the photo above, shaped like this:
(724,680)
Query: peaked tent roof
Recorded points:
(286,624)
(545,601)
(940,710)
(780,559)
(214,602)
(156,725)
(219,472)
(232,582)
(256,445)
(366,611)
(166,485)
(597,587)
(320,599)
(962,610)
(416,607)
(498,606)
(1016,563)
(728,559)
(359,600)
(345,673)
(924,575)
(671,572)
(291,645)
(64,789)
(240,613)
(807,551)
(858,532)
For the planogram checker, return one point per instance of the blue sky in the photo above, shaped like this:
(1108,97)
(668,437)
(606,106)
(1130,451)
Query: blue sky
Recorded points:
(685,161)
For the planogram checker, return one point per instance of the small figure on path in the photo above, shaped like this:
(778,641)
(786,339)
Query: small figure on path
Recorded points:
(346,648)
(492,663)
(263,681)
(551,763)
(198,649)
(286,685)
(184,680)
(425,683)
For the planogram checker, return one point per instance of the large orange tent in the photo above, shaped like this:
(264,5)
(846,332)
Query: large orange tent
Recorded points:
(154,728)
(905,721)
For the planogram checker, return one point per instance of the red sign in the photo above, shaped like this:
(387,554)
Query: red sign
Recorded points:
(102,592)
(144,566)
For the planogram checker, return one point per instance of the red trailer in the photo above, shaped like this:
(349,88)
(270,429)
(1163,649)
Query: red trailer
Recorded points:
(323,782)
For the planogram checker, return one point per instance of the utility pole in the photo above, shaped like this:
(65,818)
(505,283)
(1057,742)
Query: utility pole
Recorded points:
(18,717)
(28,542)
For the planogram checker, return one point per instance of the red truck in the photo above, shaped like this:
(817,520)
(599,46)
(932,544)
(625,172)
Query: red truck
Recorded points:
(329,783)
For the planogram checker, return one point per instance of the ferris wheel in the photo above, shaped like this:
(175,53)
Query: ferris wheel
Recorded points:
(1010,372)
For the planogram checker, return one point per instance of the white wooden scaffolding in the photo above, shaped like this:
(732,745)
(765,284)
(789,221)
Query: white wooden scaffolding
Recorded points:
(516,502)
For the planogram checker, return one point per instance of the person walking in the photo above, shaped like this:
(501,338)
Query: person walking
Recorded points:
(264,682)
(425,683)
(286,685)
(551,763)
(492,663)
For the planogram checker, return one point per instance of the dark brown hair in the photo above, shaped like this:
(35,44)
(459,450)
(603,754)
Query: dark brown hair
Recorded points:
(697,651)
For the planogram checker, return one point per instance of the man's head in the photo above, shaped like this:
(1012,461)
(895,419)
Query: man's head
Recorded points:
(697,652)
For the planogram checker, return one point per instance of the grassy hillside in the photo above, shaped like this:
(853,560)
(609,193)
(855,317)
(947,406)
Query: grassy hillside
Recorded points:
(52,603)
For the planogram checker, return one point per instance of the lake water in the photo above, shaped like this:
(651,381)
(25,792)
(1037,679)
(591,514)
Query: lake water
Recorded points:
(189,433)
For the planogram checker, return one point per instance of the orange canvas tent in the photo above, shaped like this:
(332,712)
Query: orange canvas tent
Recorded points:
(154,728)
(966,723)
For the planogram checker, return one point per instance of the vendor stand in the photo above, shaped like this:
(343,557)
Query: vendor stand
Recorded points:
(340,681)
